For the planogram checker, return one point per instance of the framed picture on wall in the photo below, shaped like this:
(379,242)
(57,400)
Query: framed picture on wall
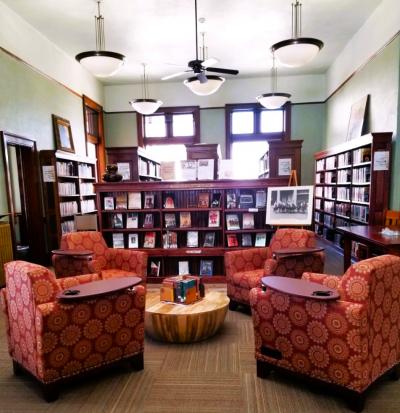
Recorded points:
(63,134)
(357,119)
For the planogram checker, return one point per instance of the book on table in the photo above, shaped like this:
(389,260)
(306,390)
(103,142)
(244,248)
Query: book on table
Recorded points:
(148,221)
(121,201)
(248,220)
(232,222)
(108,202)
(134,200)
(133,240)
(209,239)
(118,240)
(213,219)
(192,239)
(204,200)
(132,220)
(246,240)
(148,200)
(206,268)
(149,240)
(183,267)
(170,220)
(117,221)
(232,240)
(261,239)
(185,219)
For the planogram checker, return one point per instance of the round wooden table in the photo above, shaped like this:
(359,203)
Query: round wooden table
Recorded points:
(180,323)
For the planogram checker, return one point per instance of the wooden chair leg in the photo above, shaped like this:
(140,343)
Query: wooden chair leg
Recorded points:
(233,305)
(263,369)
(50,391)
(137,361)
(395,373)
(16,368)
(356,402)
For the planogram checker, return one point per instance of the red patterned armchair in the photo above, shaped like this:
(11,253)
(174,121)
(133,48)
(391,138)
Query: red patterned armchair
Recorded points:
(108,262)
(55,341)
(348,343)
(245,268)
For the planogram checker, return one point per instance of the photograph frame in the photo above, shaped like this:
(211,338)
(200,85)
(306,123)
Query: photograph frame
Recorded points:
(289,205)
(358,118)
(63,134)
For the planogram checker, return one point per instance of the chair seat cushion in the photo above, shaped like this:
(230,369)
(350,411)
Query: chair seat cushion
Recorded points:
(248,279)
(114,273)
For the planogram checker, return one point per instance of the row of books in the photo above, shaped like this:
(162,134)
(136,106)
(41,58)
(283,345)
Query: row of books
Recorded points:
(361,175)
(329,192)
(329,206)
(319,191)
(192,199)
(67,188)
(343,209)
(343,193)
(68,208)
(330,163)
(330,177)
(149,168)
(344,159)
(361,194)
(318,203)
(67,226)
(360,212)
(320,165)
(86,189)
(87,205)
(206,268)
(234,200)
(344,176)
(85,170)
(188,170)
(328,220)
(361,155)
(340,222)
(317,216)
(130,200)
(65,168)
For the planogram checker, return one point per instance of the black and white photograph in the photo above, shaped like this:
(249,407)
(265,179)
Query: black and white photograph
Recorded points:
(289,205)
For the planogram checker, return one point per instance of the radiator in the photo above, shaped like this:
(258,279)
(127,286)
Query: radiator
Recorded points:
(6,251)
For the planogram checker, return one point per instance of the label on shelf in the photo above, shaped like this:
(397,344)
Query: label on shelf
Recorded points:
(193,251)
(253,209)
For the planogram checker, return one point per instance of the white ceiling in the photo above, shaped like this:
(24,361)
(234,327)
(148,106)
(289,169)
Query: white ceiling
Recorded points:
(161,32)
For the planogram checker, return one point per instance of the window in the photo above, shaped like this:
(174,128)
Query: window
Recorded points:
(170,126)
(249,127)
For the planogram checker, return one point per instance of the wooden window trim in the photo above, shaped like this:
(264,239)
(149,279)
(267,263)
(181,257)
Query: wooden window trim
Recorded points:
(169,139)
(256,108)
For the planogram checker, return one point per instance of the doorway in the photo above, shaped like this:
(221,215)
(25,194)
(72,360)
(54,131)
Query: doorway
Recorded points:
(23,197)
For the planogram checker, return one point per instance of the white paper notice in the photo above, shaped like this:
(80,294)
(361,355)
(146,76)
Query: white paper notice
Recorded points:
(49,174)
(284,166)
(205,169)
(124,170)
(381,160)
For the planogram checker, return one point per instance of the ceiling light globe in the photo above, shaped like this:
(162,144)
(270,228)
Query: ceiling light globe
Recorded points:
(145,106)
(204,89)
(101,63)
(296,52)
(273,100)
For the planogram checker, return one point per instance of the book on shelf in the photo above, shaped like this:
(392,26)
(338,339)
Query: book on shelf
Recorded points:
(203,200)
(170,240)
(216,200)
(149,240)
(261,239)
(118,240)
(169,201)
(232,222)
(261,199)
(148,221)
(108,202)
(205,169)
(362,155)
(117,221)
(232,240)
(246,240)
(133,240)
(230,200)
(246,201)
(170,220)
(213,219)
(209,240)
(132,220)
(206,268)
(154,269)
(183,267)
(120,201)
(185,219)
(188,170)
(148,201)
(248,220)
(192,239)
(134,200)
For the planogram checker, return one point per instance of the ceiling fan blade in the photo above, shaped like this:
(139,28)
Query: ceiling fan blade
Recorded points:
(209,62)
(202,77)
(175,75)
(220,70)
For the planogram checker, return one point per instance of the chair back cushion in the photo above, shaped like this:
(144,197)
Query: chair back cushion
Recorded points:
(86,240)
(292,238)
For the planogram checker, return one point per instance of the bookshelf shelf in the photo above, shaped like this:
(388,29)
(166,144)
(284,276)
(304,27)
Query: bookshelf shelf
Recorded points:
(360,195)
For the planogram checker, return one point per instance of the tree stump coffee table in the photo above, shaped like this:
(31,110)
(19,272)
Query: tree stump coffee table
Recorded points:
(180,323)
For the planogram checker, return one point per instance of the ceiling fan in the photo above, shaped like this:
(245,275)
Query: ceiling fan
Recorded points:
(199,66)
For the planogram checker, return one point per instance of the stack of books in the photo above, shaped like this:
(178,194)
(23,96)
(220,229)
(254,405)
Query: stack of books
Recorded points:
(182,289)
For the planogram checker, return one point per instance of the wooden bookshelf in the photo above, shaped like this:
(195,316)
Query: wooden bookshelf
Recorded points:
(172,202)
(349,187)
(68,190)
(142,167)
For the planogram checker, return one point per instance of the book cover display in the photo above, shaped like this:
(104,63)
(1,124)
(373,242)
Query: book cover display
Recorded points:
(232,240)
(121,201)
(118,240)
(170,221)
(133,240)
(192,239)
(149,240)
(209,239)
(248,220)
(134,200)
(206,268)
(213,219)
(204,200)
(148,221)
(149,201)
(117,221)
(132,220)
(261,239)
(108,202)
(232,222)
(185,220)
(246,240)
(231,200)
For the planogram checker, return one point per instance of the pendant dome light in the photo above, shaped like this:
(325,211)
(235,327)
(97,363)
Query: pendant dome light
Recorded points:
(273,100)
(100,62)
(297,51)
(145,106)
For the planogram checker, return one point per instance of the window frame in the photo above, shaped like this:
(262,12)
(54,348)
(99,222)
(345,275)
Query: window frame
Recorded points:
(169,139)
(257,135)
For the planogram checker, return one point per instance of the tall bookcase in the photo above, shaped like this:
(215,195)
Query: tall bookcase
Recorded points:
(67,191)
(212,216)
(352,185)
(141,166)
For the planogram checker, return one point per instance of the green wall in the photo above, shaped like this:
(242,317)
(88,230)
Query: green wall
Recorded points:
(120,129)
(27,101)
(380,79)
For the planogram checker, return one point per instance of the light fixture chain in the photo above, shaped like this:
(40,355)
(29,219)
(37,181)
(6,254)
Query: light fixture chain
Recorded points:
(195,19)
(296,20)
(99,28)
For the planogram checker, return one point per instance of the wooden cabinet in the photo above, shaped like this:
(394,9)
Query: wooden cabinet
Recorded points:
(141,166)
(185,224)
(67,191)
(352,185)
(281,158)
